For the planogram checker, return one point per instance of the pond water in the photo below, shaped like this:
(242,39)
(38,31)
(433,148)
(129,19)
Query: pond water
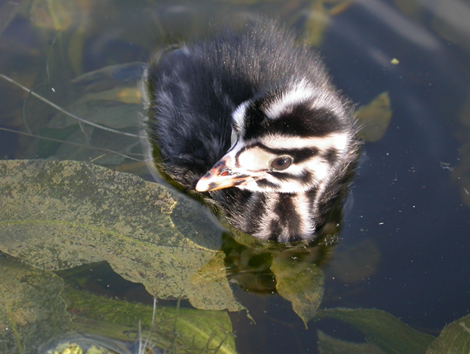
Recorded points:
(404,239)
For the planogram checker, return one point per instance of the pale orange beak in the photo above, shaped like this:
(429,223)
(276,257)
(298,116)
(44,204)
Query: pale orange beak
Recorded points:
(220,177)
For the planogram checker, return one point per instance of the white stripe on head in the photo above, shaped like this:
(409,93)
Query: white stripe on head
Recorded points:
(238,115)
(339,141)
(299,93)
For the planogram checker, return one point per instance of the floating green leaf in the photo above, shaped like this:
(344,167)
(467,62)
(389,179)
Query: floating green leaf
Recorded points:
(61,214)
(182,328)
(454,338)
(374,118)
(386,331)
(33,307)
(211,280)
(299,282)
(316,24)
(30,307)
(331,345)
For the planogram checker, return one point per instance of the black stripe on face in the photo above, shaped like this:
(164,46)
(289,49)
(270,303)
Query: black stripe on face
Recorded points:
(299,155)
(300,120)
(305,178)
(330,155)
(264,183)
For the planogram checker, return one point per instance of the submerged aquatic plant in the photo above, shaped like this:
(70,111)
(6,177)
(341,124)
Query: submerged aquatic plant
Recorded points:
(96,344)
(143,344)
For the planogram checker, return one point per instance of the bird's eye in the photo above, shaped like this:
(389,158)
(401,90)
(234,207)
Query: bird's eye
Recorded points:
(281,163)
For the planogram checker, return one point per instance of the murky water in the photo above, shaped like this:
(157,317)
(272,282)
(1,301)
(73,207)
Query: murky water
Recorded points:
(404,238)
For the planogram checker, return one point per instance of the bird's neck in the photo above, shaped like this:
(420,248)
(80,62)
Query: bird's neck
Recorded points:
(274,216)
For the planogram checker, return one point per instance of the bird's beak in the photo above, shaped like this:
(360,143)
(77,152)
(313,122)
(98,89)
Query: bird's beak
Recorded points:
(220,177)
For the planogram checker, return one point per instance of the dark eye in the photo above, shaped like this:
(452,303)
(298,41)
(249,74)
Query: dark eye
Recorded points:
(281,163)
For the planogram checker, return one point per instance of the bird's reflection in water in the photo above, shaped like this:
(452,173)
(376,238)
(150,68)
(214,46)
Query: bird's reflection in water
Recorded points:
(258,267)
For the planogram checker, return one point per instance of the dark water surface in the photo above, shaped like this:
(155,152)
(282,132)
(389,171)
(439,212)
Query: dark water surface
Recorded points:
(405,237)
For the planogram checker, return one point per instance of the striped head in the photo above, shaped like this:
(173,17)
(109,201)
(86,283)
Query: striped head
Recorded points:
(285,141)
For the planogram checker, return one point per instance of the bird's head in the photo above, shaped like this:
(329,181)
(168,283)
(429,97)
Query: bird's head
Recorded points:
(285,141)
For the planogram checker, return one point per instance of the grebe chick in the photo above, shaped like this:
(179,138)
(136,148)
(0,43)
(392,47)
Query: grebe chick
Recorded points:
(251,120)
